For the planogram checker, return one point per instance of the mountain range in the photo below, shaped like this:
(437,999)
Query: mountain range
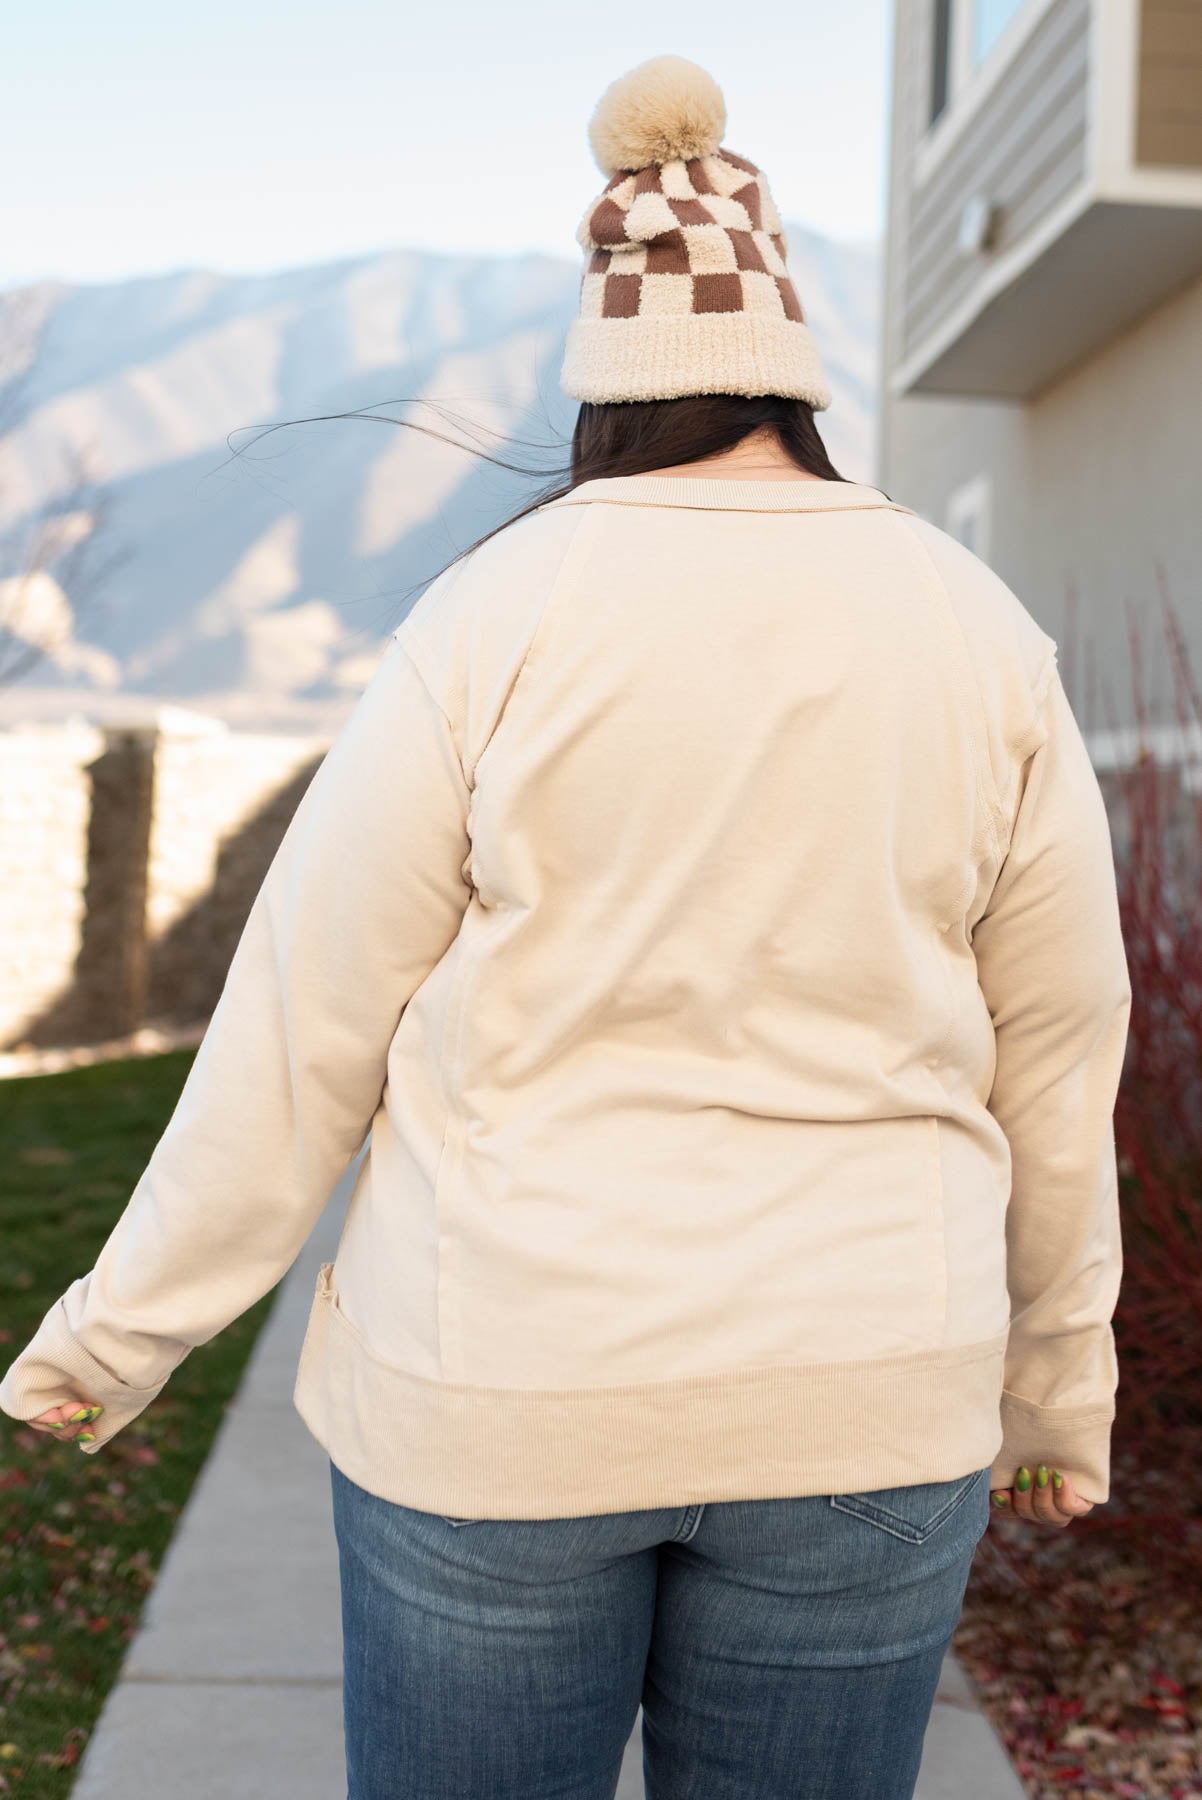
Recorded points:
(252,572)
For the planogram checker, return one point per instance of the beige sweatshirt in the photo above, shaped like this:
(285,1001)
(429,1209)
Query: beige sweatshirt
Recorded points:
(709,909)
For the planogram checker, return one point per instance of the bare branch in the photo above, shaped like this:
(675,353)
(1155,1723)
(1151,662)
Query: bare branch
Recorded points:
(48,559)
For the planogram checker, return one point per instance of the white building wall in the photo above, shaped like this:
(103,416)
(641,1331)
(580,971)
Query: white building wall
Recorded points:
(1088,486)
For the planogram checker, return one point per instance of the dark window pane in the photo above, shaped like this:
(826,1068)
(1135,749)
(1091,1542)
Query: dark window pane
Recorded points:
(940,44)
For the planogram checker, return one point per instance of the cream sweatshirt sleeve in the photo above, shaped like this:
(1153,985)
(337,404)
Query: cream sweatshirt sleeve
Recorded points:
(366,891)
(1052,966)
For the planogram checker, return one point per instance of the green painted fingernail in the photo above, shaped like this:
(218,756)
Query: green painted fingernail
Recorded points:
(1022,1479)
(85,1412)
(999,1500)
(1057,1478)
(86,1437)
(56,1424)
(1041,1475)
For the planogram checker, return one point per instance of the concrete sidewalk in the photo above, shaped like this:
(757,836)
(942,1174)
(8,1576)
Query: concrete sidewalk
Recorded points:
(232,1688)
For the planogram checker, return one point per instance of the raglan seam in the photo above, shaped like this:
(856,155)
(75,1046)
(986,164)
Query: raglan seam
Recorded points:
(409,626)
(449,1291)
(408,629)
(433,697)
(1041,687)
(986,784)
(572,553)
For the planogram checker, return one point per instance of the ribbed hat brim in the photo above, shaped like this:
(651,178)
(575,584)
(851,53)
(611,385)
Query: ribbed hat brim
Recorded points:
(664,357)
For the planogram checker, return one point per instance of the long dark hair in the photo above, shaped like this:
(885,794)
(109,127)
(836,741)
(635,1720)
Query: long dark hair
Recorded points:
(636,437)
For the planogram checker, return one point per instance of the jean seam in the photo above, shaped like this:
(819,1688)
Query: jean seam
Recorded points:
(690,1535)
(881,1517)
(910,1536)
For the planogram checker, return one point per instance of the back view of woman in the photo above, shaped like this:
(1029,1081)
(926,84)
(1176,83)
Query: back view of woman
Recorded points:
(709,911)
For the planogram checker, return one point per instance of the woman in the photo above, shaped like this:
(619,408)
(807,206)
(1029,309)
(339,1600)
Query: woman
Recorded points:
(709,913)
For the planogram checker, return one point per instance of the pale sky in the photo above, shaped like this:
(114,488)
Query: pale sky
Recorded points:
(250,135)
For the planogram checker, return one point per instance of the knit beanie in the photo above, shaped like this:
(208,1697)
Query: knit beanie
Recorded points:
(685,288)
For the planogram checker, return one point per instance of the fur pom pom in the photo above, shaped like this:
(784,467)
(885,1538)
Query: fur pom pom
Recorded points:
(666,108)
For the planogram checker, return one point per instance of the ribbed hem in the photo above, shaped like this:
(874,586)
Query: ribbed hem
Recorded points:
(667,355)
(767,1432)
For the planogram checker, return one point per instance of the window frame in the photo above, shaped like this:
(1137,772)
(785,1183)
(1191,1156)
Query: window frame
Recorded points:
(968,84)
(974,13)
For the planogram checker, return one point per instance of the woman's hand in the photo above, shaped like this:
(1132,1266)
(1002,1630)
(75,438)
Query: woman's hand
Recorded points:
(1045,1498)
(70,1420)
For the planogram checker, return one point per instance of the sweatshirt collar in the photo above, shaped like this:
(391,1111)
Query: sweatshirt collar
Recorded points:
(733,495)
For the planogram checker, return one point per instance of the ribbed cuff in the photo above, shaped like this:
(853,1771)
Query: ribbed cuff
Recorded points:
(1073,1439)
(54,1368)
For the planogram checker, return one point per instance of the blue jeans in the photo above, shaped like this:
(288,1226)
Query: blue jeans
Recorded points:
(780,1649)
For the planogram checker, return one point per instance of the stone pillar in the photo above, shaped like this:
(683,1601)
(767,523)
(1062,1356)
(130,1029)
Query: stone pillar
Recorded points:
(109,990)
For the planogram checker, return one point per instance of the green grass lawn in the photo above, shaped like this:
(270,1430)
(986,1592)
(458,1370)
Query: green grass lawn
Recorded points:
(81,1537)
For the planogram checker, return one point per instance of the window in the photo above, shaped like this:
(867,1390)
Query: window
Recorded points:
(989,19)
(940,49)
(972,44)
(968,515)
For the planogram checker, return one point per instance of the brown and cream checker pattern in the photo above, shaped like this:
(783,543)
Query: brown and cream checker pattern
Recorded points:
(701,236)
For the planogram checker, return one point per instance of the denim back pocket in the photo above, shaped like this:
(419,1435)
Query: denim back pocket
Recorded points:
(916,1512)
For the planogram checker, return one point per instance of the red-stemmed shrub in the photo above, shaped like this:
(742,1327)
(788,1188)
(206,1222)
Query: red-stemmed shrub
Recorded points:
(1084,1642)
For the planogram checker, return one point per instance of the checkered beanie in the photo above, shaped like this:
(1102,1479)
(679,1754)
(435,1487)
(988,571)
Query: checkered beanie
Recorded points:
(685,288)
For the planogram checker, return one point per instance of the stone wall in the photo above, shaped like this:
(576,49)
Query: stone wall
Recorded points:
(223,805)
(130,856)
(129,859)
(45,809)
